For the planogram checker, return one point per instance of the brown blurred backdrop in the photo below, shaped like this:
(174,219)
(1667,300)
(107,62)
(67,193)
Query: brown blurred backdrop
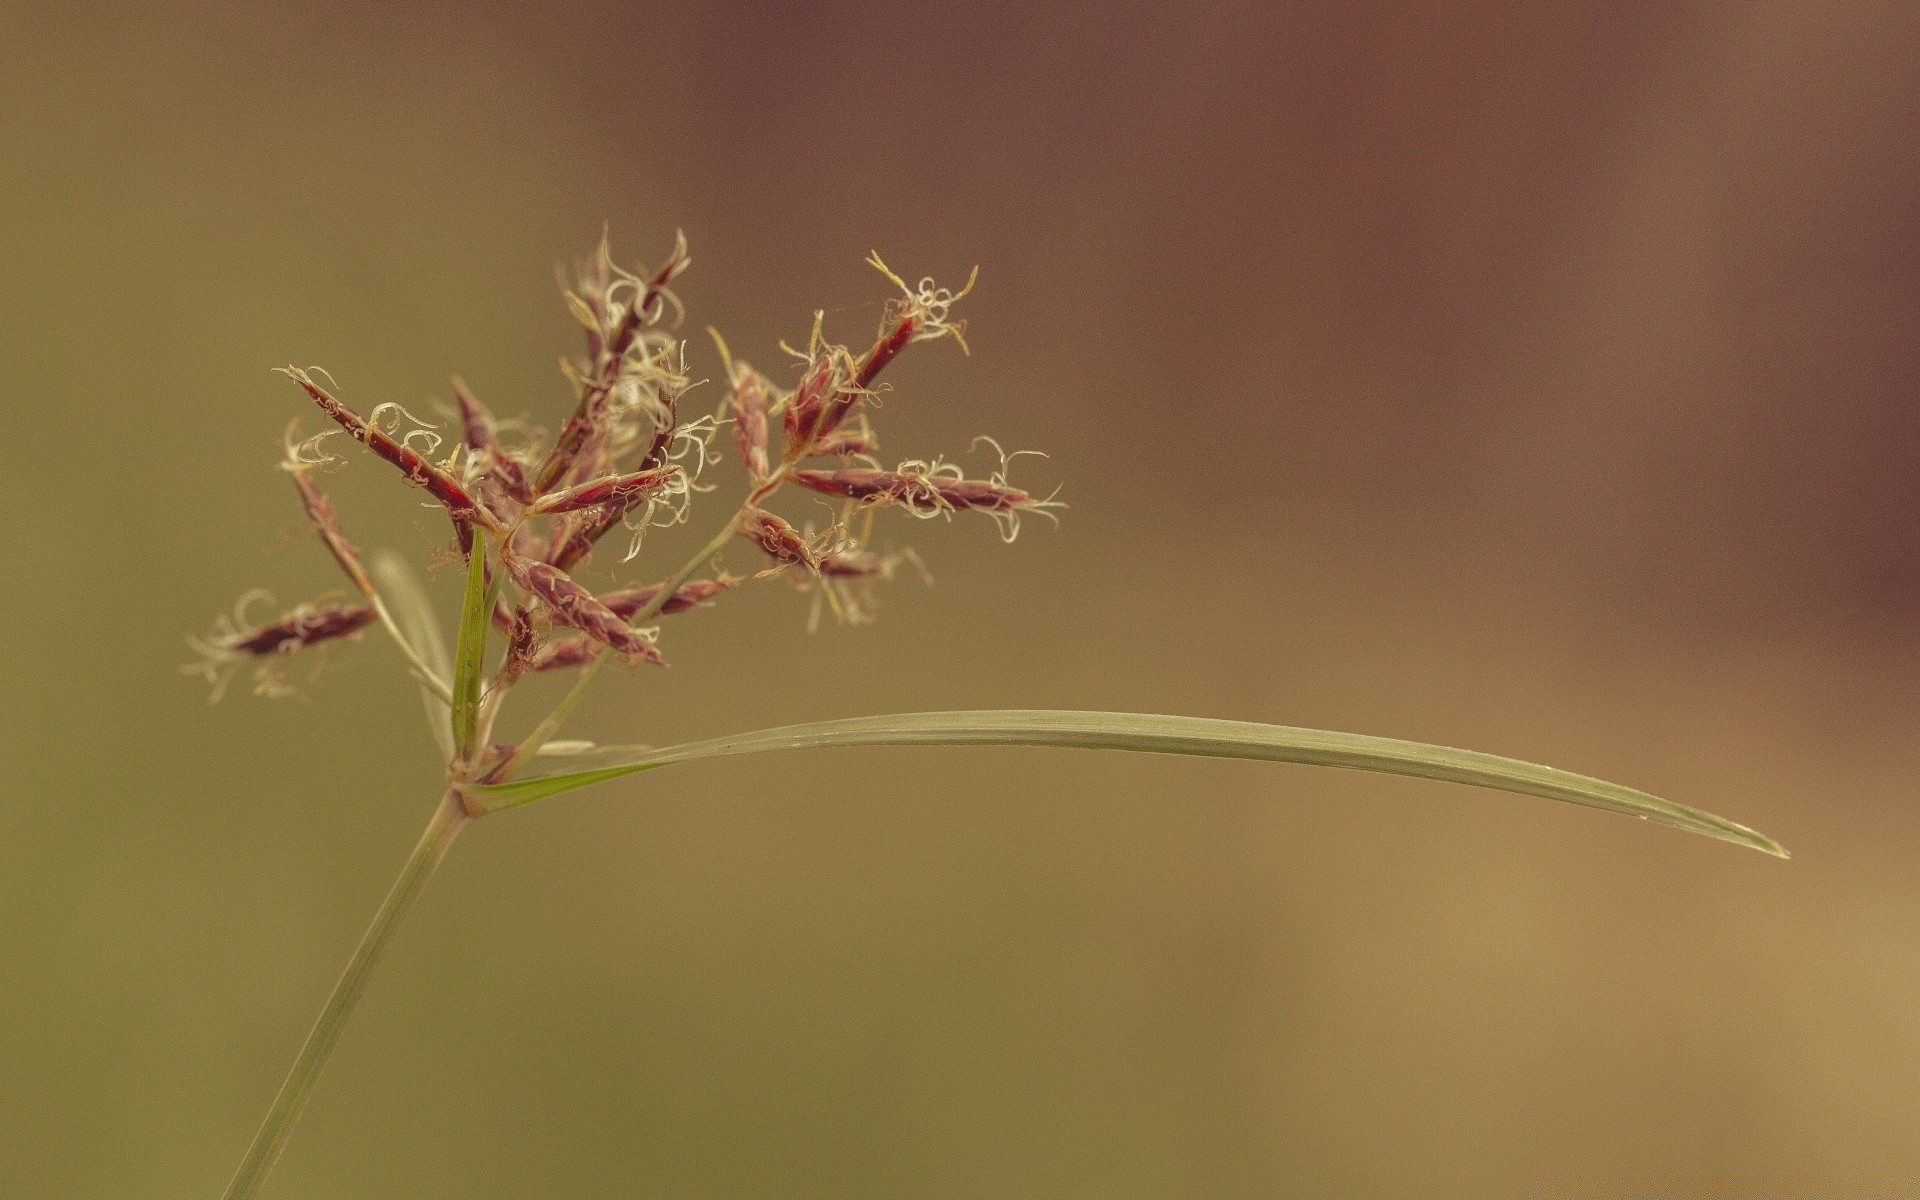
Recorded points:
(1537,378)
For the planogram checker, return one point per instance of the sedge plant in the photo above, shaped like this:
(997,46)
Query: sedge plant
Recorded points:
(524,514)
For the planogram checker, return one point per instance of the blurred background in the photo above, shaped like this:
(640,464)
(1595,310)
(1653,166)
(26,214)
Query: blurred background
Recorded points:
(1533,378)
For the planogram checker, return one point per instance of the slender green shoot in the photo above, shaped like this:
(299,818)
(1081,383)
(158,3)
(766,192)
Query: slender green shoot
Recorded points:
(471,652)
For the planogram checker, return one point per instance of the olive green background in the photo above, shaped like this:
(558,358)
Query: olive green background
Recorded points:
(1532,378)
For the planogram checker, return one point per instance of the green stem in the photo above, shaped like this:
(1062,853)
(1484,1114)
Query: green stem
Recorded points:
(292,1100)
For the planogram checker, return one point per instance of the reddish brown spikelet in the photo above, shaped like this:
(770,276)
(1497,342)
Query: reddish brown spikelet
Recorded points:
(492,490)
(419,472)
(573,543)
(502,468)
(580,650)
(304,626)
(892,341)
(617,492)
(557,655)
(476,422)
(749,404)
(804,408)
(585,428)
(875,487)
(781,541)
(327,525)
(521,644)
(499,482)
(575,434)
(981,494)
(921,492)
(503,615)
(845,443)
(647,305)
(574,605)
(629,601)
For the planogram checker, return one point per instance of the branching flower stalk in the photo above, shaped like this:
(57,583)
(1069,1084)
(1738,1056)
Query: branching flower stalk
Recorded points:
(524,518)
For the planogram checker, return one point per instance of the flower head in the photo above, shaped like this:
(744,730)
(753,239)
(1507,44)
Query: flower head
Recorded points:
(627,457)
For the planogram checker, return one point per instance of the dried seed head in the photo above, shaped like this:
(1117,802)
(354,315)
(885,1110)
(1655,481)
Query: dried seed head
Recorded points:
(426,433)
(236,640)
(574,605)
(779,540)
(659,508)
(576,651)
(492,472)
(629,601)
(829,366)
(925,308)
(748,402)
(327,524)
(521,644)
(629,373)
(616,492)
(507,468)
(836,382)
(613,303)
(747,405)
(573,542)
(418,470)
(894,336)
(648,298)
(934,488)
(476,422)
(306,625)
(917,492)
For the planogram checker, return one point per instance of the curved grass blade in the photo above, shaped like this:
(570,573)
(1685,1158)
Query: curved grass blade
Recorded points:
(396,581)
(1150,734)
(471,648)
